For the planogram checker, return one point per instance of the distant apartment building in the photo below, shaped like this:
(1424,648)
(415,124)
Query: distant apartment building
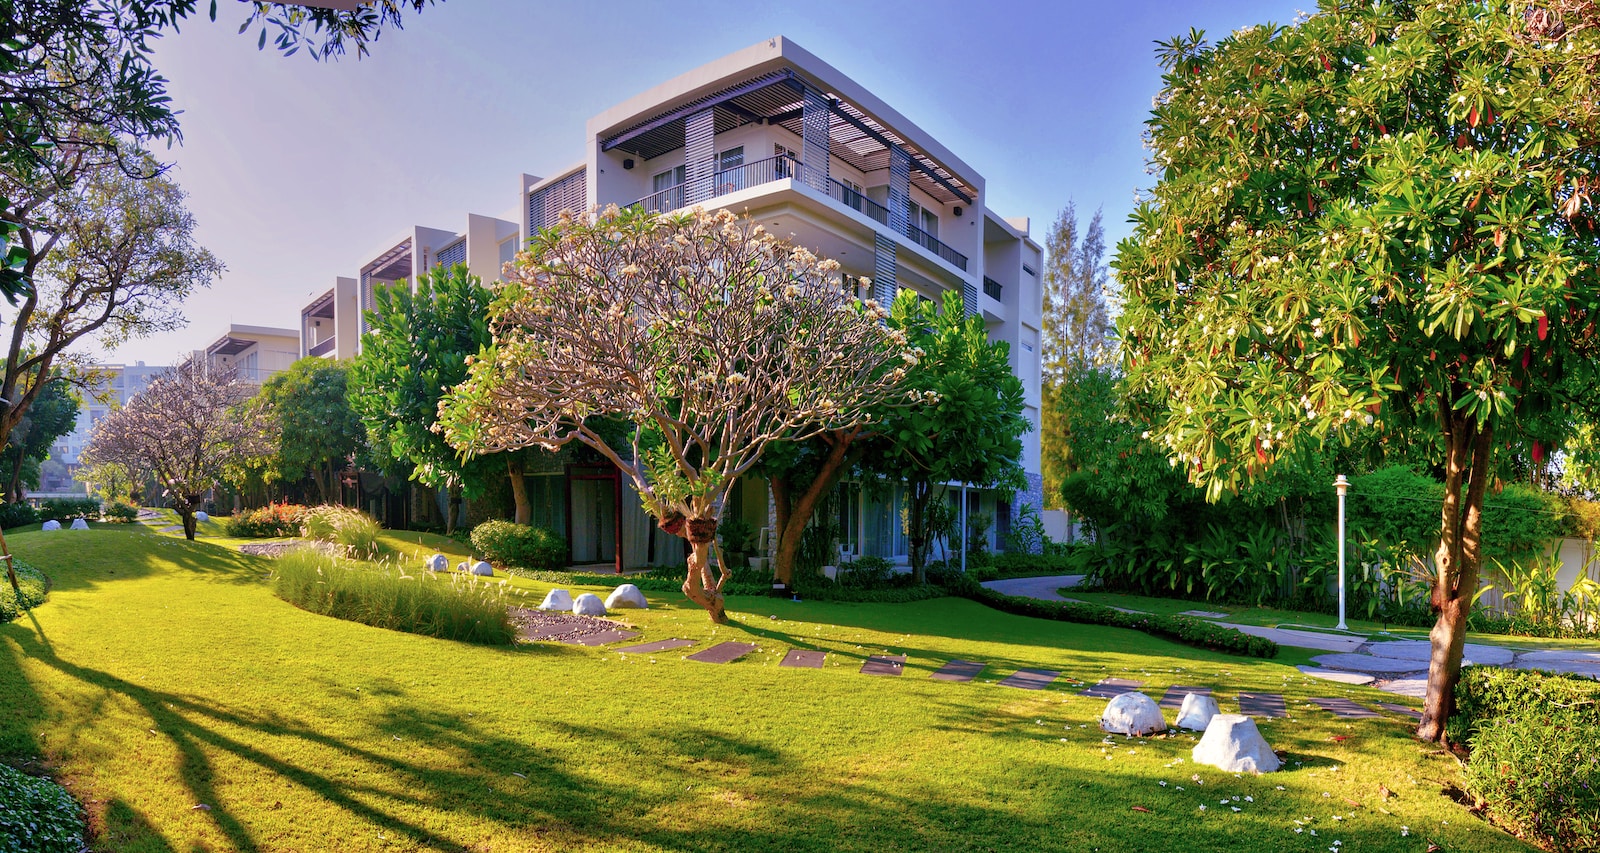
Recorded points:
(776,134)
(256,352)
(110,385)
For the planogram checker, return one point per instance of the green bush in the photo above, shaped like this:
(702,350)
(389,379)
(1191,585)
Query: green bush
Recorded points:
(37,815)
(1583,519)
(352,530)
(519,545)
(272,520)
(66,509)
(1534,760)
(450,606)
(34,588)
(739,539)
(867,573)
(119,513)
(17,514)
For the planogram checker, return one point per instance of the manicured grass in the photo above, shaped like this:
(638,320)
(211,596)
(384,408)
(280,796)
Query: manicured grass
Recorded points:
(164,674)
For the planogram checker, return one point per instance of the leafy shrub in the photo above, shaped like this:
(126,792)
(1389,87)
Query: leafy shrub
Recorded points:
(1583,519)
(451,606)
(1183,629)
(66,509)
(17,514)
(866,573)
(351,529)
(1012,564)
(739,538)
(269,521)
(34,588)
(119,512)
(1027,532)
(37,815)
(1534,759)
(519,545)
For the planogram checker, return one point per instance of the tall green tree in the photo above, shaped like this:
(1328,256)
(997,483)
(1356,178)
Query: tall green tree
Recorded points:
(965,423)
(1077,333)
(1379,218)
(53,414)
(317,430)
(418,349)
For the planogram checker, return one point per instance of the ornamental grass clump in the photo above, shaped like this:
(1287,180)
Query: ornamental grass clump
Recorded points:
(352,530)
(453,607)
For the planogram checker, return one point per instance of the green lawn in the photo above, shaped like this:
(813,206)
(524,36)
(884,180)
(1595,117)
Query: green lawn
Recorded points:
(162,675)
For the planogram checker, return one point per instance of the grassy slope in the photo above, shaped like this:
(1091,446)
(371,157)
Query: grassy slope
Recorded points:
(163,674)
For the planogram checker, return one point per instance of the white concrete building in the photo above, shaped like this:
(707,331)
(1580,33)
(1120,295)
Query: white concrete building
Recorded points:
(777,134)
(111,385)
(257,352)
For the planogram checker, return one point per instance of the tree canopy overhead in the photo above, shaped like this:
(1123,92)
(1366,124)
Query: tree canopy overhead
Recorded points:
(709,337)
(1379,218)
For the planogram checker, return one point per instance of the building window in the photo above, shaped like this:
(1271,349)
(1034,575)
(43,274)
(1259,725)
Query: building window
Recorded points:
(730,170)
(1029,270)
(668,179)
(925,219)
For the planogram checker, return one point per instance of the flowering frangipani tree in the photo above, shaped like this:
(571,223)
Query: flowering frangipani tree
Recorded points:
(712,338)
(186,428)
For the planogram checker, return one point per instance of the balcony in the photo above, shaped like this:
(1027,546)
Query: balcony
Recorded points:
(322,348)
(728,181)
(991,288)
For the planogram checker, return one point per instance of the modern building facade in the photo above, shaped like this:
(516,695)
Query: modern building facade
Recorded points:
(110,385)
(256,352)
(776,134)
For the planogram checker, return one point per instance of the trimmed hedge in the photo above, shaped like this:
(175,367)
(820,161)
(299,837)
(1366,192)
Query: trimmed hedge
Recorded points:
(34,588)
(272,520)
(1182,629)
(508,544)
(1535,762)
(37,815)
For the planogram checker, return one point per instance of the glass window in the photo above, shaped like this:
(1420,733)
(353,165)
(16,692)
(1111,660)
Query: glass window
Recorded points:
(668,179)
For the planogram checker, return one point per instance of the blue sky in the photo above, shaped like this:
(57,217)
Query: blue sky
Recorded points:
(297,170)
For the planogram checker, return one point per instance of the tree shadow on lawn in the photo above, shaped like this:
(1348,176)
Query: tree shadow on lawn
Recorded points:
(84,560)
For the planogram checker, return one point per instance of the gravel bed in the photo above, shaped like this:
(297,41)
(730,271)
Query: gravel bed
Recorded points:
(544,626)
(278,549)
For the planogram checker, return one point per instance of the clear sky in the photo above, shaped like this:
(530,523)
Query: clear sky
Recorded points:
(297,171)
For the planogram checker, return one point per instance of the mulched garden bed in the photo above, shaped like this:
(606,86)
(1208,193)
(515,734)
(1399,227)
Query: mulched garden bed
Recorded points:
(556,627)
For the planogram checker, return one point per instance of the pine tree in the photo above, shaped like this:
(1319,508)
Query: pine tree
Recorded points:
(1077,331)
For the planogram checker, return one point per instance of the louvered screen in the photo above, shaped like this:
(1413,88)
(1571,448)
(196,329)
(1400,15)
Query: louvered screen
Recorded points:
(365,301)
(546,203)
(455,253)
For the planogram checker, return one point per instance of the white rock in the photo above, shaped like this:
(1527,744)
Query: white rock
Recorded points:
(1132,714)
(463,566)
(483,569)
(556,599)
(437,563)
(79,524)
(626,596)
(52,524)
(201,515)
(1233,743)
(588,604)
(1197,711)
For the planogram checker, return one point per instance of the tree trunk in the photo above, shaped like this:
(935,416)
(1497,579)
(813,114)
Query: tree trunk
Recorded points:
(453,510)
(11,570)
(1459,560)
(795,515)
(918,534)
(700,586)
(519,490)
(14,487)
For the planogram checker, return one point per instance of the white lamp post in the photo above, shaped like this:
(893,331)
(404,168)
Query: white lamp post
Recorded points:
(1341,485)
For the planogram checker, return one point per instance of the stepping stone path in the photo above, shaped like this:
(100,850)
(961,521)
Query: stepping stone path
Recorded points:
(1370,664)
(884,665)
(1172,700)
(959,670)
(803,659)
(1030,679)
(1262,705)
(1421,650)
(1344,709)
(1204,614)
(1569,660)
(724,652)
(1413,713)
(657,646)
(1110,687)
(601,638)
(1338,675)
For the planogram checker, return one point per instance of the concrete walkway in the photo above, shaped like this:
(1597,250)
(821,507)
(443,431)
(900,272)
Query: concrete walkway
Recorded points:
(1040,588)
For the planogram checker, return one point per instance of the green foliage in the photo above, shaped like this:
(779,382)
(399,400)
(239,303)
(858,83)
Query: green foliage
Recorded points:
(37,815)
(1076,334)
(67,509)
(519,545)
(454,606)
(108,481)
(868,573)
(52,414)
(270,521)
(739,539)
(1027,532)
(119,512)
(17,514)
(352,530)
(1582,519)
(1534,759)
(34,589)
(317,430)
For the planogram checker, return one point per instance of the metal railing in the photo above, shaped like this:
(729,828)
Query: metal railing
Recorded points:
(991,288)
(932,244)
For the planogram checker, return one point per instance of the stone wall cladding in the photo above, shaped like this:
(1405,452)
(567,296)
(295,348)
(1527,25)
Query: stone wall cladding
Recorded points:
(1032,496)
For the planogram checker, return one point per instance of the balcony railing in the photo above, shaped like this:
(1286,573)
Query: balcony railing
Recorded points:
(732,180)
(991,288)
(323,348)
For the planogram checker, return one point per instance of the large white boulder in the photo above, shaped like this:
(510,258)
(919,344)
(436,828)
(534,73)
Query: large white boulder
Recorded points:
(437,563)
(626,596)
(1197,711)
(79,524)
(1233,743)
(588,604)
(483,569)
(556,599)
(202,515)
(52,524)
(1133,714)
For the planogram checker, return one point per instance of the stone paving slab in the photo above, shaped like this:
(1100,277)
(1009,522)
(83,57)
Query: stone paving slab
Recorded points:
(1416,688)
(884,665)
(1569,666)
(1344,709)
(1421,650)
(600,638)
(1172,700)
(1339,675)
(1560,655)
(1111,687)
(1369,664)
(1301,639)
(657,646)
(1262,705)
(1204,614)
(724,652)
(803,659)
(1413,713)
(959,670)
(1030,679)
